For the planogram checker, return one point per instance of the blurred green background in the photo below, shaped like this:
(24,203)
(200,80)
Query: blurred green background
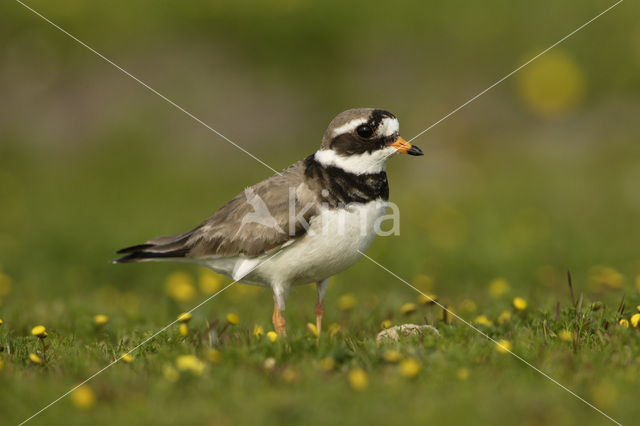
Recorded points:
(538,176)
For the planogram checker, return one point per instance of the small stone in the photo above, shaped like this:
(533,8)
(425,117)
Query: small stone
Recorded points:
(393,334)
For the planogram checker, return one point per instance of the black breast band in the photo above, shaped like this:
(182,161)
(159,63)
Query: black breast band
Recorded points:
(338,187)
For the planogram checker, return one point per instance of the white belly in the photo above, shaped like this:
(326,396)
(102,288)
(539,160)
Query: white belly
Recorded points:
(330,246)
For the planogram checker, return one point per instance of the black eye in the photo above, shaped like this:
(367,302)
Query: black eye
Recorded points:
(364,131)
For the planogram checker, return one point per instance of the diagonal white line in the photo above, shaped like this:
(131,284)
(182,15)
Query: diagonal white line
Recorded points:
(516,70)
(119,359)
(151,89)
(496,342)
(139,345)
(363,254)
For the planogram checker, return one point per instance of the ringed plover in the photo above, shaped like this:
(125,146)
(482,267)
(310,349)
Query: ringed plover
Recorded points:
(302,225)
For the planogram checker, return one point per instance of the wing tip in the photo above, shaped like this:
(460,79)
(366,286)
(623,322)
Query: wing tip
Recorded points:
(137,247)
(129,258)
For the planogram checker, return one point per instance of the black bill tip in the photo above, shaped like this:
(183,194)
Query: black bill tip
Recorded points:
(415,151)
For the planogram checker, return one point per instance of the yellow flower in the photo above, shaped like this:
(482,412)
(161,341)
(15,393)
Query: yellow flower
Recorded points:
(605,276)
(334,328)
(408,308)
(468,305)
(1,322)
(385,324)
(183,329)
(553,85)
(35,358)
(635,319)
(410,368)
(179,286)
(214,356)
(638,288)
(170,373)
(427,298)
(83,397)
(100,319)
(462,373)
(347,302)
(392,356)
(504,317)
(269,364)
(638,308)
(233,319)
(358,379)
(209,282)
(483,320)
(423,282)
(258,331)
(184,317)
(289,375)
(191,364)
(498,287)
(272,335)
(327,364)
(39,331)
(503,346)
(565,336)
(313,329)
(126,358)
(519,303)
(624,323)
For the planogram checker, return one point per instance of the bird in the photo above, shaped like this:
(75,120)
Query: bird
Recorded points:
(306,223)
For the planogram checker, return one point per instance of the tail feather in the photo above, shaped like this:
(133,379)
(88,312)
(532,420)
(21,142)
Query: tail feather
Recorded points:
(142,255)
(176,246)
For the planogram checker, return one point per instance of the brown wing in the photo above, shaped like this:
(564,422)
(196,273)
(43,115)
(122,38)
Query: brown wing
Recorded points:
(255,222)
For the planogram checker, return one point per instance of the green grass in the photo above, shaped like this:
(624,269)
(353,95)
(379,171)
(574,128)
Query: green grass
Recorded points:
(601,365)
(68,214)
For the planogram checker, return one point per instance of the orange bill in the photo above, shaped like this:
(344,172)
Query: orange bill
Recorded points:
(405,147)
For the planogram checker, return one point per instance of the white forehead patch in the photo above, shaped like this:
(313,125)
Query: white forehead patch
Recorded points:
(388,126)
(349,127)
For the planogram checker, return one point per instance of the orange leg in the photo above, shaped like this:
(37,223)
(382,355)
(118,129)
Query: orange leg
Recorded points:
(319,310)
(279,323)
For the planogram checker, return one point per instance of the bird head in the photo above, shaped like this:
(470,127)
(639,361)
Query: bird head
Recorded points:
(362,140)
